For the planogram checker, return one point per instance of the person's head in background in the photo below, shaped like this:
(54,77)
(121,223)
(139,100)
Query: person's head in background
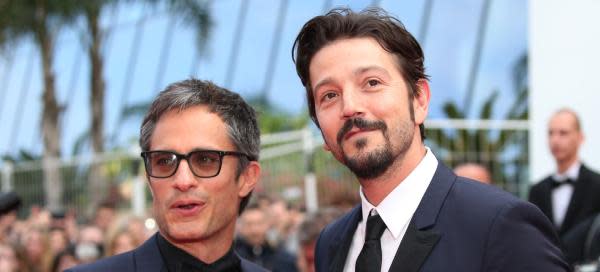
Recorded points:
(135,226)
(565,136)
(308,233)
(90,245)
(8,259)
(9,205)
(297,212)
(343,200)
(35,245)
(120,242)
(104,215)
(263,200)
(64,260)
(280,218)
(253,225)
(120,238)
(474,171)
(58,239)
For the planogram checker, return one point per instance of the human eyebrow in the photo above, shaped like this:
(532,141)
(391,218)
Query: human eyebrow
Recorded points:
(325,81)
(375,68)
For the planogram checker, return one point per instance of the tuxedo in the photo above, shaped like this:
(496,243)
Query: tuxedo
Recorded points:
(459,225)
(145,258)
(585,200)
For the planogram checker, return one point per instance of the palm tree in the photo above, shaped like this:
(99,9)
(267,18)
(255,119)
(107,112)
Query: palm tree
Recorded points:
(41,20)
(271,119)
(194,13)
(93,41)
(477,144)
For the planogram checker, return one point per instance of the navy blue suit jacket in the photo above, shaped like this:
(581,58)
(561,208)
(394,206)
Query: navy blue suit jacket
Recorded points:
(460,225)
(145,258)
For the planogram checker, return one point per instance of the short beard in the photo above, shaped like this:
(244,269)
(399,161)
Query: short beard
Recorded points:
(372,164)
(375,163)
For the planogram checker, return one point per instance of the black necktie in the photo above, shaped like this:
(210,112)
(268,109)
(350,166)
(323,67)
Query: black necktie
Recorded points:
(369,258)
(556,183)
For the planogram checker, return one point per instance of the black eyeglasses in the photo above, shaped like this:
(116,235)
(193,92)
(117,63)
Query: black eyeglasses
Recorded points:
(202,163)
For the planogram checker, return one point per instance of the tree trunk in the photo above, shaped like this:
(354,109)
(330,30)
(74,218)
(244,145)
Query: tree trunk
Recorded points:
(97,181)
(53,184)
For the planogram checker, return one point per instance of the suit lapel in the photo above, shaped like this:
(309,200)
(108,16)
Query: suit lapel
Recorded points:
(414,249)
(420,237)
(547,201)
(147,256)
(576,201)
(339,248)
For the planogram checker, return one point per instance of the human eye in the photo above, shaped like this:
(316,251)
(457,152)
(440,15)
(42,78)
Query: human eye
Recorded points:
(373,82)
(163,159)
(329,96)
(205,158)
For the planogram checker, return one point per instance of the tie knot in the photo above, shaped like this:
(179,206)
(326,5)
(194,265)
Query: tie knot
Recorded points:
(375,227)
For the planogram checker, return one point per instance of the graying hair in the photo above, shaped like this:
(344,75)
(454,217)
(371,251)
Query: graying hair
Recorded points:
(238,116)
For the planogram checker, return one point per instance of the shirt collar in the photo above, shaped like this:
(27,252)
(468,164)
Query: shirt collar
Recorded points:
(400,204)
(177,260)
(571,173)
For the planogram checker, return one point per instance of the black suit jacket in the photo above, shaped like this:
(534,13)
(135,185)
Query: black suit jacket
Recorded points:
(460,225)
(584,203)
(145,258)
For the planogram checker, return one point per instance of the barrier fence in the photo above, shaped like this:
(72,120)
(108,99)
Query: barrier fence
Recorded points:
(294,166)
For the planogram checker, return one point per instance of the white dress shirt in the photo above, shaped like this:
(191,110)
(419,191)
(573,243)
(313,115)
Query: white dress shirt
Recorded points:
(561,196)
(396,210)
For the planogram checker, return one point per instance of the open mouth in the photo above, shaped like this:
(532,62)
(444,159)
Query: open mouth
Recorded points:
(187,206)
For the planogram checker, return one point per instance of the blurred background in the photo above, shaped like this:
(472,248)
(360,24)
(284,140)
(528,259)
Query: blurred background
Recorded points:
(83,74)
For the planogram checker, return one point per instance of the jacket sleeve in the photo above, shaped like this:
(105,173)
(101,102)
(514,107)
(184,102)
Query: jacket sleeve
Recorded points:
(521,238)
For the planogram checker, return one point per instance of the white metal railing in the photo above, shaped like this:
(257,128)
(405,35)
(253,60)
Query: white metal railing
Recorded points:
(275,147)
(477,124)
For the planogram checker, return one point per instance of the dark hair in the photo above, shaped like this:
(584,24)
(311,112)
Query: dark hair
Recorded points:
(343,23)
(238,116)
(9,201)
(69,251)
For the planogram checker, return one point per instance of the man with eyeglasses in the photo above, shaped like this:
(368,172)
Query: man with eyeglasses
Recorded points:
(200,148)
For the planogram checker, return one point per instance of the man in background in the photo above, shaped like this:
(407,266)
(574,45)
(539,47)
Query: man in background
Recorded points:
(571,193)
(569,197)
(474,171)
(252,243)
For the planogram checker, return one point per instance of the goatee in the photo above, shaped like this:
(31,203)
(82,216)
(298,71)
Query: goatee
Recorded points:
(374,163)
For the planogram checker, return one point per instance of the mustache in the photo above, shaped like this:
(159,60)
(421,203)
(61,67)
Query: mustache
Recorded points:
(360,123)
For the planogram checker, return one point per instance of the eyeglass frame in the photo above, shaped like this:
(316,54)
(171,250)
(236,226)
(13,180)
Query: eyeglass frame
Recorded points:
(186,157)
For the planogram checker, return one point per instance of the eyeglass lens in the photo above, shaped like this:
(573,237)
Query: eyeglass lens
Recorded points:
(165,164)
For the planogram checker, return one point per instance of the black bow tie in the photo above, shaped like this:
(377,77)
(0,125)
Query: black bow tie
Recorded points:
(556,184)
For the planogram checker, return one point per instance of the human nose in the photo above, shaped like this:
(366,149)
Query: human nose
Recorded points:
(351,104)
(184,179)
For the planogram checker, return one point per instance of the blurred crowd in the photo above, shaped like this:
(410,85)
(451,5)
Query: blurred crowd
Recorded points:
(53,241)
(271,232)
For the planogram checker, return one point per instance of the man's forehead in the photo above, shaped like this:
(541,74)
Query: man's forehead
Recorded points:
(563,120)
